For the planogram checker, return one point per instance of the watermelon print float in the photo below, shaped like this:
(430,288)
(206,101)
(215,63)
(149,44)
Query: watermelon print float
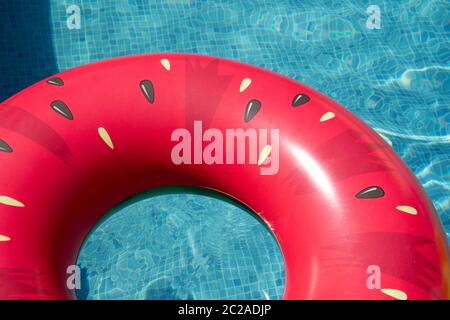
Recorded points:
(341,204)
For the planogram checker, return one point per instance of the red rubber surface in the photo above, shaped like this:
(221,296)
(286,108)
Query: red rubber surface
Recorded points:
(66,177)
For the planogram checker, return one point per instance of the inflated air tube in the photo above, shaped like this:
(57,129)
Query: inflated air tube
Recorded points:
(351,220)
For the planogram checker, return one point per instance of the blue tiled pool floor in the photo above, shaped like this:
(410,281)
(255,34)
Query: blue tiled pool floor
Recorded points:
(395,78)
(181,244)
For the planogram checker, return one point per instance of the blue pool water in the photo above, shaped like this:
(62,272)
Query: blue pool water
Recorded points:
(181,244)
(396,78)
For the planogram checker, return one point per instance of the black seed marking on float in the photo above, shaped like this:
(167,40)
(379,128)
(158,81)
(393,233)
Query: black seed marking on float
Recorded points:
(62,109)
(300,99)
(252,109)
(370,193)
(148,90)
(4,147)
(56,81)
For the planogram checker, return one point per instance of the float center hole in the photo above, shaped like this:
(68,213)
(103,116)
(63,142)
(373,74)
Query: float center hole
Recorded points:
(181,244)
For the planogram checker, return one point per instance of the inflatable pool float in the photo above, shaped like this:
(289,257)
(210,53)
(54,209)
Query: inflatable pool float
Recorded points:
(351,220)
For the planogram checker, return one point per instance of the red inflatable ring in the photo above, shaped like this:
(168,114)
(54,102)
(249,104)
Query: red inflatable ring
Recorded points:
(351,219)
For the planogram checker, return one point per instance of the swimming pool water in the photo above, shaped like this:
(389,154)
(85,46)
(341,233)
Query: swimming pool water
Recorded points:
(183,244)
(396,78)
